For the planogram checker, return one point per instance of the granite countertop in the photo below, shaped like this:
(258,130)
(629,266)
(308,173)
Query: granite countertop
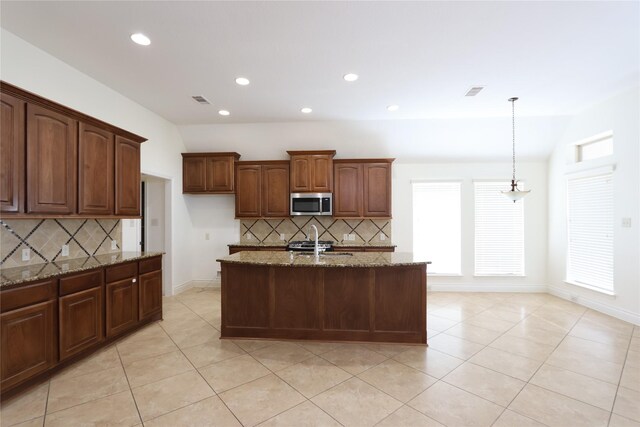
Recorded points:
(284,244)
(17,275)
(299,259)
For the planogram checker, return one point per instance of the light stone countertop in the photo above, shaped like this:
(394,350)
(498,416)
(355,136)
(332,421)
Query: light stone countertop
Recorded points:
(331,259)
(10,277)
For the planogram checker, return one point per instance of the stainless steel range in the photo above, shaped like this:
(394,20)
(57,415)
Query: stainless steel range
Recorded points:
(308,245)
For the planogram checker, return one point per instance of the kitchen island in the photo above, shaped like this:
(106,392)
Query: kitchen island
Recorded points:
(373,297)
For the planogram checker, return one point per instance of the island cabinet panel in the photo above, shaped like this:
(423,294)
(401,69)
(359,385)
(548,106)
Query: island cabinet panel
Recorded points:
(80,317)
(95,170)
(387,300)
(275,190)
(346,299)
(377,190)
(12,154)
(245,297)
(249,185)
(194,175)
(51,161)
(347,199)
(127,177)
(28,339)
(295,298)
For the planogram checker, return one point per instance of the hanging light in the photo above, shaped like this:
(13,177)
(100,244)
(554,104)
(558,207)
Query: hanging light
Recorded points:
(514,194)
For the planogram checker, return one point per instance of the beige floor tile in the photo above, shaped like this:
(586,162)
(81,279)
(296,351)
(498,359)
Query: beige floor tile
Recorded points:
(318,347)
(67,392)
(103,359)
(540,323)
(261,399)
(631,373)
(514,365)
(146,347)
(304,415)
(605,321)
(454,346)
(390,350)
(513,419)
(429,361)
(490,385)
(439,324)
(397,380)
(507,315)
(523,347)
(472,333)
(537,335)
(233,372)
(172,393)
(36,422)
(454,407)
(354,359)
(580,387)
(117,410)
(620,421)
(281,355)
(25,406)
(197,334)
(635,344)
(209,412)
(615,354)
(554,409)
(356,403)
(211,352)
(488,321)
(253,345)
(627,404)
(456,313)
(556,317)
(407,416)
(156,368)
(586,365)
(313,376)
(592,331)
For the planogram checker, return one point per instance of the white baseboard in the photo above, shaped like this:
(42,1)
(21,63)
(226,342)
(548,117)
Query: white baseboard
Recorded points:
(480,287)
(196,284)
(619,313)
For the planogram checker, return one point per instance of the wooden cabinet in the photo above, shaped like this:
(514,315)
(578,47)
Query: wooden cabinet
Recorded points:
(210,173)
(12,154)
(121,298)
(312,171)
(127,177)
(262,189)
(95,170)
(150,287)
(51,161)
(362,188)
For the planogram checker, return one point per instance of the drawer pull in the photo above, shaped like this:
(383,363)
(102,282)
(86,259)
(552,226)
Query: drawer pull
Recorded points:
(134,280)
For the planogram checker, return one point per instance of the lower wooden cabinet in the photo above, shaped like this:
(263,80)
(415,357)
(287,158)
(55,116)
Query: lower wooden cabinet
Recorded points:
(150,287)
(121,306)
(28,338)
(81,326)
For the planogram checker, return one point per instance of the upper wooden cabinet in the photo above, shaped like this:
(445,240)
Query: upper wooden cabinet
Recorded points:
(127,177)
(95,170)
(362,188)
(210,173)
(312,171)
(262,189)
(12,154)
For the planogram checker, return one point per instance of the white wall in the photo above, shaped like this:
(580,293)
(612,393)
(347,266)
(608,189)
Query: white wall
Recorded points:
(621,114)
(30,68)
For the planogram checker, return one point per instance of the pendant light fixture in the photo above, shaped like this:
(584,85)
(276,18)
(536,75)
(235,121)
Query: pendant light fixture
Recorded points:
(514,194)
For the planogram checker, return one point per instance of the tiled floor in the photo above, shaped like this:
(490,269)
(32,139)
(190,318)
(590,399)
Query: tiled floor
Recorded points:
(494,360)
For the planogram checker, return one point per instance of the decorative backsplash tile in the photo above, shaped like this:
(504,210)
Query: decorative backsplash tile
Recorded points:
(45,237)
(365,231)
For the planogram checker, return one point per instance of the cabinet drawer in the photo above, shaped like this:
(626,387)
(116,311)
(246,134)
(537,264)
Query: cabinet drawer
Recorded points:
(151,264)
(30,294)
(80,282)
(122,271)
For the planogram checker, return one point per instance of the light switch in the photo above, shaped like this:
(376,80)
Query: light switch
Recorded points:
(345,237)
(382,236)
(626,222)
(65,250)
(26,254)
(248,235)
(114,245)
(282,237)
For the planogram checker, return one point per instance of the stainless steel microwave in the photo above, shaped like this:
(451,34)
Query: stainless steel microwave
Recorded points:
(311,204)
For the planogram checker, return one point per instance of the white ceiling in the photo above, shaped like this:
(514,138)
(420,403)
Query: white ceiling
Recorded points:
(558,57)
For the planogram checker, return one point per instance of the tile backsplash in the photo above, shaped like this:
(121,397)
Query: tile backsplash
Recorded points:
(364,231)
(45,237)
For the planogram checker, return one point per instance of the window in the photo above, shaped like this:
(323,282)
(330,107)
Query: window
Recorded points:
(590,230)
(499,231)
(595,147)
(436,225)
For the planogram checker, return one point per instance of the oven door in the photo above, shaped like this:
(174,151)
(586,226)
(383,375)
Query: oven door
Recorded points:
(306,204)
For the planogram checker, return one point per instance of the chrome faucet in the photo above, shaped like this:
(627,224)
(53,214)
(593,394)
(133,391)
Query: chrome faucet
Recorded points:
(315,246)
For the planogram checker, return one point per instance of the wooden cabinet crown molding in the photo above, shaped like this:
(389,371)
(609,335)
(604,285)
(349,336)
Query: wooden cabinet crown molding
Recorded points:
(216,154)
(312,153)
(384,160)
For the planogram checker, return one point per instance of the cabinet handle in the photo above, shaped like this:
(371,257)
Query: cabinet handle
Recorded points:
(134,280)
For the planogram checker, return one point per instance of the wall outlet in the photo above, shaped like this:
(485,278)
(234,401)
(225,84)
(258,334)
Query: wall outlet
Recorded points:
(352,237)
(626,222)
(248,236)
(65,250)
(282,236)
(382,236)
(345,237)
(26,254)
(65,267)
(114,245)
(207,236)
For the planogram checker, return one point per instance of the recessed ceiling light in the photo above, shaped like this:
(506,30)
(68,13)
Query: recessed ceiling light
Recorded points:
(242,81)
(393,107)
(224,112)
(140,39)
(306,110)
(350,77)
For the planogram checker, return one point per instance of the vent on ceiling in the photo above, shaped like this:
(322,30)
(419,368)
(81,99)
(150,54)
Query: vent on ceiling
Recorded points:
(201,100)
(474,91)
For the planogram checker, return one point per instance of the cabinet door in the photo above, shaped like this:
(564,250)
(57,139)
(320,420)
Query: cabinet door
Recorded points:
(12,154)
(150,294)
(51,161)
(248,188)
(80,317)
(220,174)
(121,306)
(377,190)
(127,177)
(95,171)
(193,174)
(321,173)
(300,174)
(28,338)
(275,190)
(347,198)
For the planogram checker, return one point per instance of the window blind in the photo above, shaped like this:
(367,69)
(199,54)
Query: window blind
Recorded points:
(437,225)
(590,231)
(499,231)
